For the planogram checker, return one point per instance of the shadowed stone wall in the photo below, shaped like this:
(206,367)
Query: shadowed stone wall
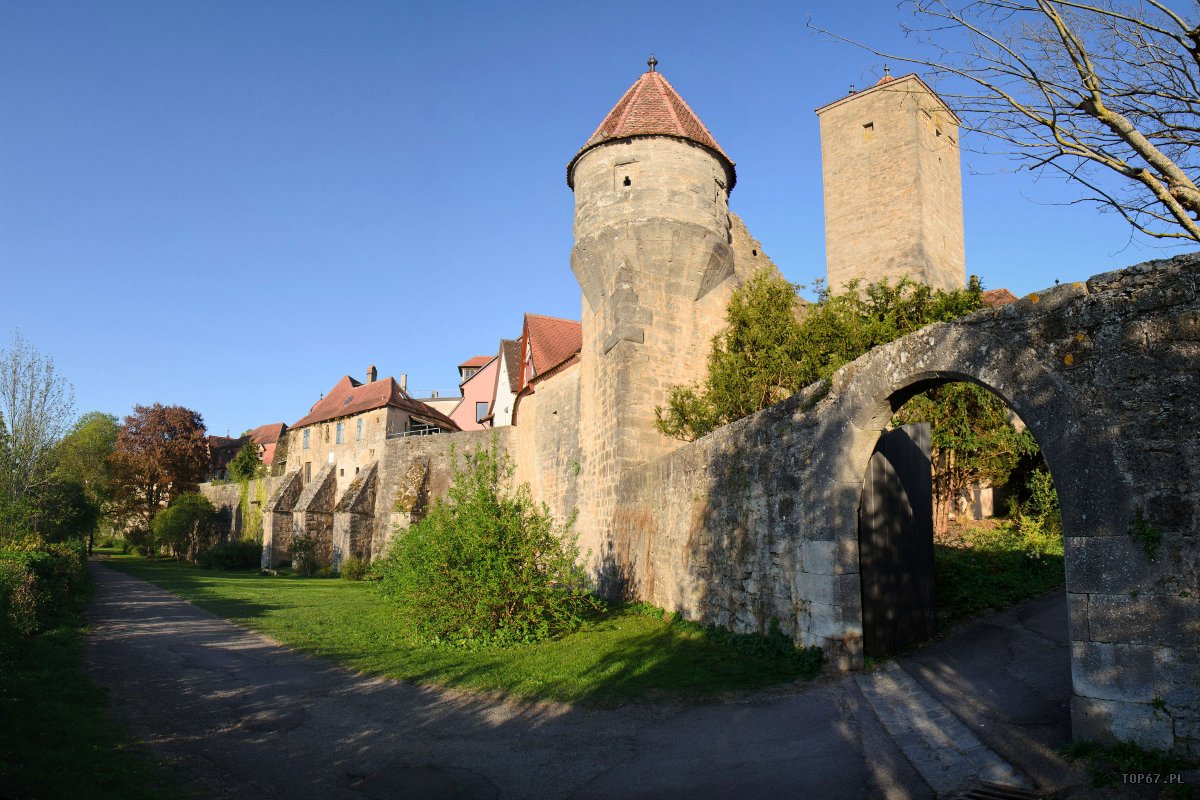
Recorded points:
(226,499)
(758,520)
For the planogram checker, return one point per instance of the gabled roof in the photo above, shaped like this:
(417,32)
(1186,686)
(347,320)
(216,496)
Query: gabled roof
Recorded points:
(888,83)
(995,298)
(551,340)
(652,107)
(478,373)
(476,361)
(511,348)
(268,434)
(349,397)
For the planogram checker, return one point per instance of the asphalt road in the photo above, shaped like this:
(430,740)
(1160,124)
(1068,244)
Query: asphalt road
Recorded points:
(243,716)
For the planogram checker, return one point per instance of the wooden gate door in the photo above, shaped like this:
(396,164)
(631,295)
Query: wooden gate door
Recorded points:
(895,541)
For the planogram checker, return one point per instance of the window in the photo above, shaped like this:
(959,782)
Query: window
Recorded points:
(358,430)
(480,411)
(340,438)
(307,471)
(306,432)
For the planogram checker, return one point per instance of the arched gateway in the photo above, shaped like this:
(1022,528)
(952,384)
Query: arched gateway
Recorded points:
(759,520)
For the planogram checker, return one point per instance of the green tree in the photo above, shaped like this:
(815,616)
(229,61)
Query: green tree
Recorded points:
(485,565)
(246,465)
(770,348)
(83,458)
(36,403)
(972,440)
(186,526)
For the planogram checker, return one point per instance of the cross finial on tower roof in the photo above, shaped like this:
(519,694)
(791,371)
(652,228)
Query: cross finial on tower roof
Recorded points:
(652,62)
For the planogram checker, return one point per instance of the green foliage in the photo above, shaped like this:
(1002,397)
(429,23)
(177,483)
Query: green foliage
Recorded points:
(41,584)
(185,526)
(246,465)
(1017,558)
(485,566)
(1106,764)
(972,439)
(232,555)
(774,645)
(1142,532)
(83,455)
(353,569)
(770,350)
(304,554)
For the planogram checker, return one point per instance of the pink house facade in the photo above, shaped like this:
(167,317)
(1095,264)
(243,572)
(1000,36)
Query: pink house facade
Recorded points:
(477,390)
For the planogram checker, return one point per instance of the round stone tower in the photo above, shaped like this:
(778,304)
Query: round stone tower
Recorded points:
(652,255)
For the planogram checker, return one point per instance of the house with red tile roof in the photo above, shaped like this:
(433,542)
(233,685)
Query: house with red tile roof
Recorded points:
(546,342)
(350,424)
(506,385)
(221,450)
(477,387)
(548,346)
(268,438)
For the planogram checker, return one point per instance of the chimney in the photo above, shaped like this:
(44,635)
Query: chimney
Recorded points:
(434,394)
(404,381)
(372,374)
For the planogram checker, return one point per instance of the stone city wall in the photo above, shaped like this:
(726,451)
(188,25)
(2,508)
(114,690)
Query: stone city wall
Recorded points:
(758,520)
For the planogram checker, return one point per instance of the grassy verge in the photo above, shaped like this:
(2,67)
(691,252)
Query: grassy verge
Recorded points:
(980,569)
(625,653)
(1136,771)
(56,738)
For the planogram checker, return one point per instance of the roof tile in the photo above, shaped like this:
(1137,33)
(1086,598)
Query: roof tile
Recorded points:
(652,107)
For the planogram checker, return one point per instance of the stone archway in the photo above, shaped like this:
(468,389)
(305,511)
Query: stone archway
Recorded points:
(758,520)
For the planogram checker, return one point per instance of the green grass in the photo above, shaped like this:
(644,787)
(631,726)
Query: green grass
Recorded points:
(56,738)
(970,580)
(625,653)
(1107,764)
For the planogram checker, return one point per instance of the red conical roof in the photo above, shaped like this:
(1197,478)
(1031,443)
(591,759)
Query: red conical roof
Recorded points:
(652,107)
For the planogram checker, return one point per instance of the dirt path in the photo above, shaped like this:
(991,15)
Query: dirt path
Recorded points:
(246,717)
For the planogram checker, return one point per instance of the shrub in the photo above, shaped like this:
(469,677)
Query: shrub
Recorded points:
(40,584)
(186,526)
(304,554)
(232,555)
(354,569)
(485,566)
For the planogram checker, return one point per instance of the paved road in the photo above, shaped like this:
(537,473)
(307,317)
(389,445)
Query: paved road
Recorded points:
(244,716)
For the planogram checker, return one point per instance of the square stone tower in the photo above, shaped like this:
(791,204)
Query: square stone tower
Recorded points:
(893,186)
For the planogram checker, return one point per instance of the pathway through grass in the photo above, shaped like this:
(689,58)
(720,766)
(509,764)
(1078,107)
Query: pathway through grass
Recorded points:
(618,655)
(56,736)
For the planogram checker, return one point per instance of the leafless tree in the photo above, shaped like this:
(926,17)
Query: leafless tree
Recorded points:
(37,405)
(1105,92)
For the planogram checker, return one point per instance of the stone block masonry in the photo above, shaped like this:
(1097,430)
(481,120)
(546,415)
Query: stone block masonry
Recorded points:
(758,520)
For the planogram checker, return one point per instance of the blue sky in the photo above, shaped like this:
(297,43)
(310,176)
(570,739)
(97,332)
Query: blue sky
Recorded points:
(229,205)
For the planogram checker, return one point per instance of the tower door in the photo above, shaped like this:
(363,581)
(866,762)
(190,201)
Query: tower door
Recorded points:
(895,541)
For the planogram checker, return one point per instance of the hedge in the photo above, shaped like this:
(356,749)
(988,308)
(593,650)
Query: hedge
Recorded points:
(41,585)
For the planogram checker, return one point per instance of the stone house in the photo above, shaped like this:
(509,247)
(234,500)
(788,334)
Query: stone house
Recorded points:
(350,425)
